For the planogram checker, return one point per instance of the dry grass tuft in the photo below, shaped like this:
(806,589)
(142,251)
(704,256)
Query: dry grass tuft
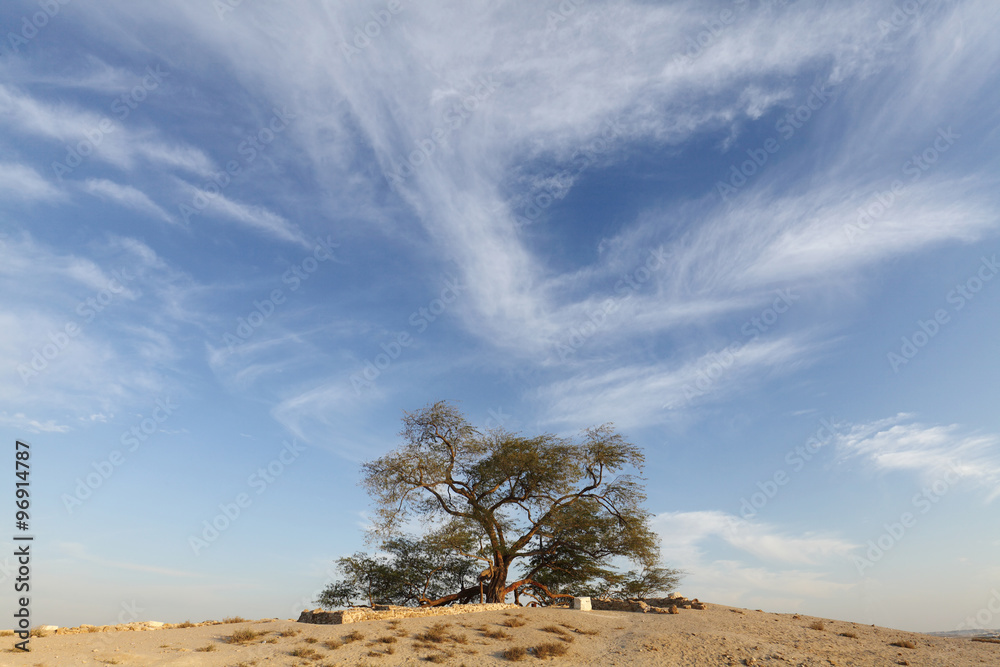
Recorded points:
(208,648)
(817,625)
(307,653)
(496,634)
(244,635)
(289,632)
(903,643)
(587,632)
(388,639)
(554,629)
(333,644)
(437,633)
(514,621)
(185,624)
(353,636)
(38,632)
(849,634)
(514,653)
(235,619)
(551,650)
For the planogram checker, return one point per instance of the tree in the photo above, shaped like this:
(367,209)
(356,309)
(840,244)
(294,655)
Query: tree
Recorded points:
(411,572)
(553,512)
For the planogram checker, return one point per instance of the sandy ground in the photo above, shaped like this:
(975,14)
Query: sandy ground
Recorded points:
(717,636)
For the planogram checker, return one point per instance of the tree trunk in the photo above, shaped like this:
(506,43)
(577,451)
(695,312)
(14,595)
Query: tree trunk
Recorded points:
(496,587)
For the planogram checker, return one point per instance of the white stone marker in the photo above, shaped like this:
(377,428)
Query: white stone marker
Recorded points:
(583,604)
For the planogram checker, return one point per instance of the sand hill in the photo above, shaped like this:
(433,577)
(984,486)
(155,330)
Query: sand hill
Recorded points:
(718,635)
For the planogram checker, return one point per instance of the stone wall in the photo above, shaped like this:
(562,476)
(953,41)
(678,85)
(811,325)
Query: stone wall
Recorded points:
(668,605)
(382,612)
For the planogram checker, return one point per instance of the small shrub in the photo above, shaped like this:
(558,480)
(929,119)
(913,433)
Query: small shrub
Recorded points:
(514,621)
(185,624)
(289,632)
(353,636)
(333,644)
(850,634)
(271,640)
(38,632)
(437,633)
(817,625)
(514,653)
(436,657)
(308,653)
(310,640)
(235,619)
(903,643)
(496,634)
(551,650)
(588,632)
(554,629)
(208,648)
(244,635)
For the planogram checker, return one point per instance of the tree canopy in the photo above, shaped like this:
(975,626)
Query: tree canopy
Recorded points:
(503,513)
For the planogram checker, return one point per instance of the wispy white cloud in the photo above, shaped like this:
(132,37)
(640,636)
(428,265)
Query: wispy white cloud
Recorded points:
(686,532)
(257,218)
(102,136)
(901,444)
(127,196)
(19,181)
(783,570)
(19,420)
(640,394)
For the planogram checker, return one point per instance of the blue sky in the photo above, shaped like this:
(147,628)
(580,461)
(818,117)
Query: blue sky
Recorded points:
(240,238)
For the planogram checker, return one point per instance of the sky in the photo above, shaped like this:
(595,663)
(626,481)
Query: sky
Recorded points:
(240,239)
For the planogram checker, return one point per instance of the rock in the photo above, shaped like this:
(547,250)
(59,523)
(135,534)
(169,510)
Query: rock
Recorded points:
(581,604)
(48,628)
(698,605)
(154,624)
(673,610)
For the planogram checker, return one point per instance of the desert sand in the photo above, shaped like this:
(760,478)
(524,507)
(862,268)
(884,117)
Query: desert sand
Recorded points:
(719,635)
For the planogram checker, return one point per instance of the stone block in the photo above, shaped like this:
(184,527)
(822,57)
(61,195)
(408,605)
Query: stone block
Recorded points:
(581,604)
